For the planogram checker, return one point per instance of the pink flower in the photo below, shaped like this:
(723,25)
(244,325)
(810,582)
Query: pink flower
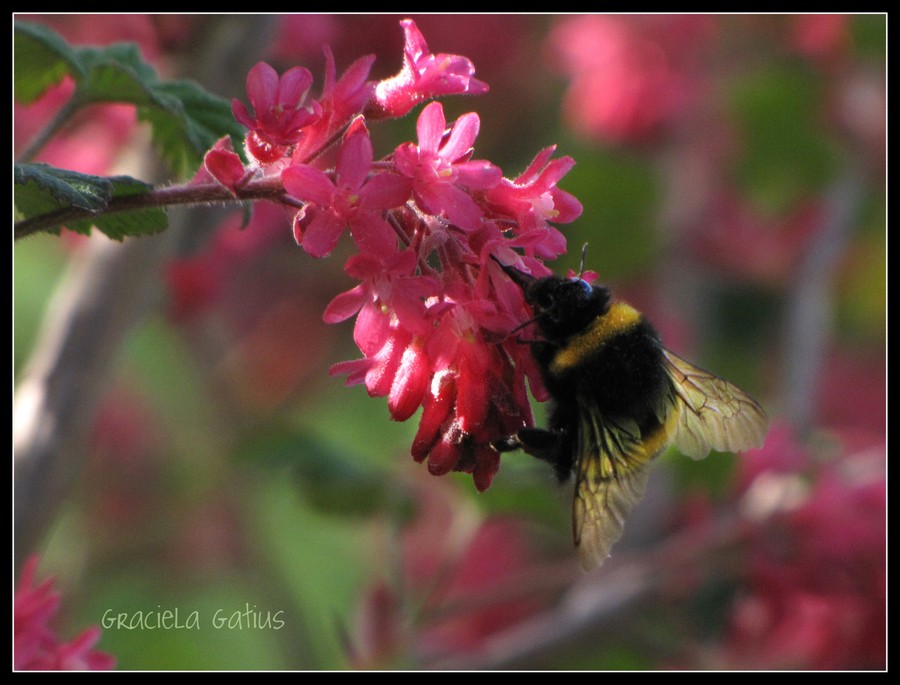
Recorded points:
(423,77)
(342,99)
(35,645)
(441,170)
(744,243)
(224,165)
(433,309)
(532,200)
(353,200)
(280,110)
(390,330)
(428,342)
(476,393)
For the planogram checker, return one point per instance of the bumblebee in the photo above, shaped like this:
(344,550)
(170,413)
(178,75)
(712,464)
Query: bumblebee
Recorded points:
(619,399)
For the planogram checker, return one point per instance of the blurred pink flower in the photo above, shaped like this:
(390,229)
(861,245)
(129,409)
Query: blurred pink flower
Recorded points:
(820,36)
(742,242)
(462,580)
(35,645)
(815,574)
(196,282)
(631,76)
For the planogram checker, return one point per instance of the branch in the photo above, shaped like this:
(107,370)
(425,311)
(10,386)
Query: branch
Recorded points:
(808,317)
(54,405)
(268,188)
(594,605)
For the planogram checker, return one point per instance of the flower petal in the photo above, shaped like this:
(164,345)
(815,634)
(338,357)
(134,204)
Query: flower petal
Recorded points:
(321,236)
(430,127)
(477,174)
(462,137)
(293,86)
(308,184)
(373,234)
(456,204)
(262,87)
(226,167)
(385,191)
(354,159)
(345,305)
(410,383)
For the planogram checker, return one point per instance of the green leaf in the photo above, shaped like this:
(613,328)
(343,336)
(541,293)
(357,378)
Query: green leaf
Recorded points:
(118,74)
(186,119)
(41,60)
(189,124)
(41,189)
(120,225)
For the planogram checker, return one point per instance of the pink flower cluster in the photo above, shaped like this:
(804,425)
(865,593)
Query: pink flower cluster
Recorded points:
(35,645)
(433,309)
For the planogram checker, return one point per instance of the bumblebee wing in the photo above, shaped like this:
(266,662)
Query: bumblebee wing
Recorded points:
(712,413)
(610,478)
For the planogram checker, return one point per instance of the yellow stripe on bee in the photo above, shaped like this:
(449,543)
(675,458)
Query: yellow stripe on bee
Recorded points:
(616,463)
(619,318)
(658,440)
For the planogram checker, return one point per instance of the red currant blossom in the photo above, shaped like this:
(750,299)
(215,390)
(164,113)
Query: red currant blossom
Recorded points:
(352,200)
(280,110)
(532,200)
(440,169)
(224,165)
(423,76)
(342,99)
(390,329)
(433,308)
(35,645)
(476,392)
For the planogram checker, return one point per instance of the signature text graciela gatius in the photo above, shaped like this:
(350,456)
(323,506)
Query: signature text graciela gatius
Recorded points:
(248,618)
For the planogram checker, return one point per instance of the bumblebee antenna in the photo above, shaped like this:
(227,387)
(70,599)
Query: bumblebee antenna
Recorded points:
(583,259)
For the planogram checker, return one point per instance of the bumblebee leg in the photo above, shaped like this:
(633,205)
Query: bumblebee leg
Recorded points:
(510,443)
(549,446)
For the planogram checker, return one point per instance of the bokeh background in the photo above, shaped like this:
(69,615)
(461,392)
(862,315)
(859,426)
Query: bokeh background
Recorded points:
(732,171)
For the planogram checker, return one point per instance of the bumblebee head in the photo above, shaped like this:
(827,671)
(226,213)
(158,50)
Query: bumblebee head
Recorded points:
(562,306)
(566,306)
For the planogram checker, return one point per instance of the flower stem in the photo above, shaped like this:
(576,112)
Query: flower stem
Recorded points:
(269,188)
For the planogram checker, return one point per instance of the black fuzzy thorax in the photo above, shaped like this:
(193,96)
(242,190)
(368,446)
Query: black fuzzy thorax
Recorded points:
(622,378)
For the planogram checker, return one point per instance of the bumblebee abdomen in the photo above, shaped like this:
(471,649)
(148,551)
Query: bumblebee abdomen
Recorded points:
(617,362)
